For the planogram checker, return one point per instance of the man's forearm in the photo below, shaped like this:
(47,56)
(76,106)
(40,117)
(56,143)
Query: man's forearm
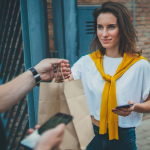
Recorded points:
(142,107)
(15,90)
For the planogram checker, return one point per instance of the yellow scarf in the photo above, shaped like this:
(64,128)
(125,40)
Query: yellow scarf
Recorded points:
(109,100)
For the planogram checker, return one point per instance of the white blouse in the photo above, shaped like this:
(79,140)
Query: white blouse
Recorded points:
(134,85)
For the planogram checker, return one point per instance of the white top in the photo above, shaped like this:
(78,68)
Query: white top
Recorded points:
(134,85)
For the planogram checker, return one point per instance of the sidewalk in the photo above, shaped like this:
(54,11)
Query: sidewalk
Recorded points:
(143,135)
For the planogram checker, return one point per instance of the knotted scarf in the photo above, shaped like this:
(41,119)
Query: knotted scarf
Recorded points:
(109,100)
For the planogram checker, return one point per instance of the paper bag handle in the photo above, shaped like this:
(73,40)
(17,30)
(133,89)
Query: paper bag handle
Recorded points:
(59,66)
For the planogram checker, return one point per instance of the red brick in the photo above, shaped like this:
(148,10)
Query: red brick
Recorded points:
(147,43)
(51,32)
(49,5)
(79,1)
(146,9)
(140,35)
(147,22)
(51,37)
(144,31)
(86,1)
(95,1)
(143,39)
(147,18)
(141,5)
(138,18)
(144,47)
(148,14)
(146,51)
(142,22)
(138,9)
(52,42)
(141,27)
(145,0)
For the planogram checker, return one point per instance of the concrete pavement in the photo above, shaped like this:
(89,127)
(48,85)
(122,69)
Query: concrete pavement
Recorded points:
(143,135)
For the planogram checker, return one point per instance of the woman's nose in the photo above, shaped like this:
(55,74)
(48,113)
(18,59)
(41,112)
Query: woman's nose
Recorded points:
(105,33)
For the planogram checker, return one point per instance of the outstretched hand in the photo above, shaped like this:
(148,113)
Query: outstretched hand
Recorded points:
(125,111)
(46,68)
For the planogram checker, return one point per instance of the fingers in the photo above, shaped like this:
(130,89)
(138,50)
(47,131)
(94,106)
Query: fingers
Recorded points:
(58,61)
(57,143)
(65,61)
(66,73)
(62,66)
(131,102)
(56,147)
(60,74)
(121,113)
(37,126)
(60,129)
(64,69)
(127,109)
(32,130)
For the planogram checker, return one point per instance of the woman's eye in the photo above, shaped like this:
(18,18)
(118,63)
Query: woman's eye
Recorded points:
(99,27)
(111,27)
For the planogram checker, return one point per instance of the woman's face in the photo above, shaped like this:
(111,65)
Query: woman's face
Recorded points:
(108,31)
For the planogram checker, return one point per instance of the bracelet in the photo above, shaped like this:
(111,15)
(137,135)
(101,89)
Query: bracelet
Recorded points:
(36,76)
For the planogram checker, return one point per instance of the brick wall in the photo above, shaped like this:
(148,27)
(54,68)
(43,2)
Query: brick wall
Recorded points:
(142,20)
(50,25)
(142,10)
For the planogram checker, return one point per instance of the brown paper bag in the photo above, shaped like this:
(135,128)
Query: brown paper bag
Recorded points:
(69,98)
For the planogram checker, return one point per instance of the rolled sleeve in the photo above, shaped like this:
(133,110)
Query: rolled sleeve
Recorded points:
(77,69)
(146,81)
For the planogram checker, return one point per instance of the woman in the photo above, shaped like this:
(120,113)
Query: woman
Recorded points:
(114,74)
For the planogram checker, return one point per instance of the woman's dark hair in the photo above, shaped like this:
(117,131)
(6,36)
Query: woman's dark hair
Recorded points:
(128,33)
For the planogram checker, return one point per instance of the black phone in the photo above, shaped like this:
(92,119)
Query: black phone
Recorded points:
(31,140)
(124,106)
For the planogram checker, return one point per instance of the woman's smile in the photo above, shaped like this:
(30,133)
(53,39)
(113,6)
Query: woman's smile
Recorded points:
(105,40)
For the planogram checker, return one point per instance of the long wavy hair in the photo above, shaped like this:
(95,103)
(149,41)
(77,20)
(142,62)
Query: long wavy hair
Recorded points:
(126,29)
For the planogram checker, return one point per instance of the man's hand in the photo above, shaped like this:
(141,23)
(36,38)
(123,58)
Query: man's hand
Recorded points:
(46,68)
(125,111)
(50,139)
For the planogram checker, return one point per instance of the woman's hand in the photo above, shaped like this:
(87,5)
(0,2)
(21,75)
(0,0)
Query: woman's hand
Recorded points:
(125,111)
(67,79)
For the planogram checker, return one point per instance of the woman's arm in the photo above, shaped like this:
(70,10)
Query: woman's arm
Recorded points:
(137,107)
(142,107)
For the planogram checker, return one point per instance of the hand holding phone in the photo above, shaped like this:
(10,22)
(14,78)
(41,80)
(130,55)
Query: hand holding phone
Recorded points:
(32,139)
(51,139)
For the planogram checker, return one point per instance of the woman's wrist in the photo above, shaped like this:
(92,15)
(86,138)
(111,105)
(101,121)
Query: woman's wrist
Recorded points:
(140,108)
(135,107)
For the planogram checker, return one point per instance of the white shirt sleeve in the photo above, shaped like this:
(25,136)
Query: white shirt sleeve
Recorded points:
(77,69)
(146,80)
